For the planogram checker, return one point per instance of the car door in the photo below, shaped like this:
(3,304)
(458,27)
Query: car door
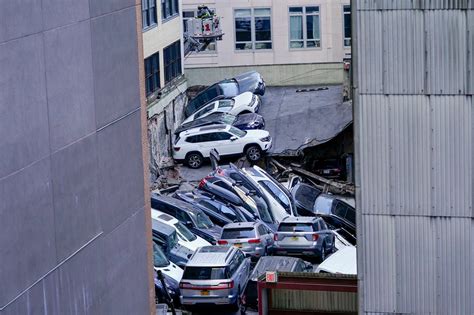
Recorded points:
(243,269)
(226,144)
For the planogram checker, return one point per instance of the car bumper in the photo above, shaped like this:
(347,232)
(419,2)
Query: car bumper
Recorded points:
(225,300)
(293,250)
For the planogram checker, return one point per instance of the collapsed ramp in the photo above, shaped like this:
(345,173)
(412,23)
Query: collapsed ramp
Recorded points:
(301,118)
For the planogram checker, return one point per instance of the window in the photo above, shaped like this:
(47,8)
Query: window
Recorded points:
(295,227)
(187,15)
(253,29)
(347,26)
(203,111)
(148,13)
(223,136)
(305,27)
(169,8)
(172,60)
(182,216)
(152,73)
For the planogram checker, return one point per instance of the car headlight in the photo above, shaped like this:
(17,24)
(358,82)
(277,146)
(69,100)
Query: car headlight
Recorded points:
(266,139)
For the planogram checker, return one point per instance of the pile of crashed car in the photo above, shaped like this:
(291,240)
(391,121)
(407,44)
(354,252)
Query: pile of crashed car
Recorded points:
(207,240)
(213,241)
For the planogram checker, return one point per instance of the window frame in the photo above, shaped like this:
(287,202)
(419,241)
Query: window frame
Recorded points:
(174,4)
(253,40)
(153,73)
(146,12)
(344,13)
(304,16)
(170,64)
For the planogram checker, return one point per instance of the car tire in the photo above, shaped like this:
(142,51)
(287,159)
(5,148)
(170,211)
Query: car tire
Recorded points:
(194,160)
(322,256)
(253,153)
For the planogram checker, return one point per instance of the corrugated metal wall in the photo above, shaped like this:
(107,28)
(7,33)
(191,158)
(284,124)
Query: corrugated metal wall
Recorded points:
(414,128)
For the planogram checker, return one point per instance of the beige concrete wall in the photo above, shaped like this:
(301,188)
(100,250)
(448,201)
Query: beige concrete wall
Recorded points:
(166,32)
(332,49)
(274,75)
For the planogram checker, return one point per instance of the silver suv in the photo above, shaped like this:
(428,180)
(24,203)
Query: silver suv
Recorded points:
(215,275)
(307,236)
(253,238)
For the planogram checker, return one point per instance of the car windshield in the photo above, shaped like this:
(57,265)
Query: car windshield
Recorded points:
(262,209)
(238,233)
(203,221)
(203,111)
(323,205)
(295,227)
(159,258)
(185,232)
(229,88)
(173,240)
(239,133)
(276,193)
(204,273)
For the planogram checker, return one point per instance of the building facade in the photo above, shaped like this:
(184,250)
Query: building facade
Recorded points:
(73,210)
(414,125)
(296,42)
(165,84)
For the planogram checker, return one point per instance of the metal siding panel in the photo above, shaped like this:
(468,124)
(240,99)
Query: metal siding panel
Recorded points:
(453,287)
(379,263)
(371,64)
(446,45)
(451,121)
(409,149)
(404,52)
(415,4)
(374,156)
(470,51)
(415,261)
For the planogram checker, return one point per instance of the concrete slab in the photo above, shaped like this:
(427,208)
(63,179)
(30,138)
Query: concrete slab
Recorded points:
(295,119)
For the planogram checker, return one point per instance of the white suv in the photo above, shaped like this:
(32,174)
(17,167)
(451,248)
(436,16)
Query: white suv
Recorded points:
(194,145)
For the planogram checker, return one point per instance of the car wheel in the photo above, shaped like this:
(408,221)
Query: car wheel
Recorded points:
(194,160)
(322,257)
(253,153)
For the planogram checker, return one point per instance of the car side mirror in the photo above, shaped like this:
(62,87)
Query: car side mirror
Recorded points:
(233,138)
(189,224)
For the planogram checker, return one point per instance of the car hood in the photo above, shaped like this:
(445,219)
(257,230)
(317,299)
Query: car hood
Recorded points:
(172,271)
(198,242)
(257,133)
(243,99)
(344,261)
(215,231)
(248,119)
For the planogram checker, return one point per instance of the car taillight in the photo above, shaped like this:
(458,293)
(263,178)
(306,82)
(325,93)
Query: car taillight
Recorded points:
(224,285)
(315,237)
(203,182)
(185,285)
(222,242)
(254,241)
(275,237)
(177,148)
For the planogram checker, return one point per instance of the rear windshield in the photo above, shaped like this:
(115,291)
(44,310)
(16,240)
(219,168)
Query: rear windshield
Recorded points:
(307,195)
(238,233)
(204,273)
(295,227)
(323,205)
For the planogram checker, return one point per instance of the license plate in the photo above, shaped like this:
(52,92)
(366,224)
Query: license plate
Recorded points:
(294,238)
(204,292)
(326,171)
(238,245)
